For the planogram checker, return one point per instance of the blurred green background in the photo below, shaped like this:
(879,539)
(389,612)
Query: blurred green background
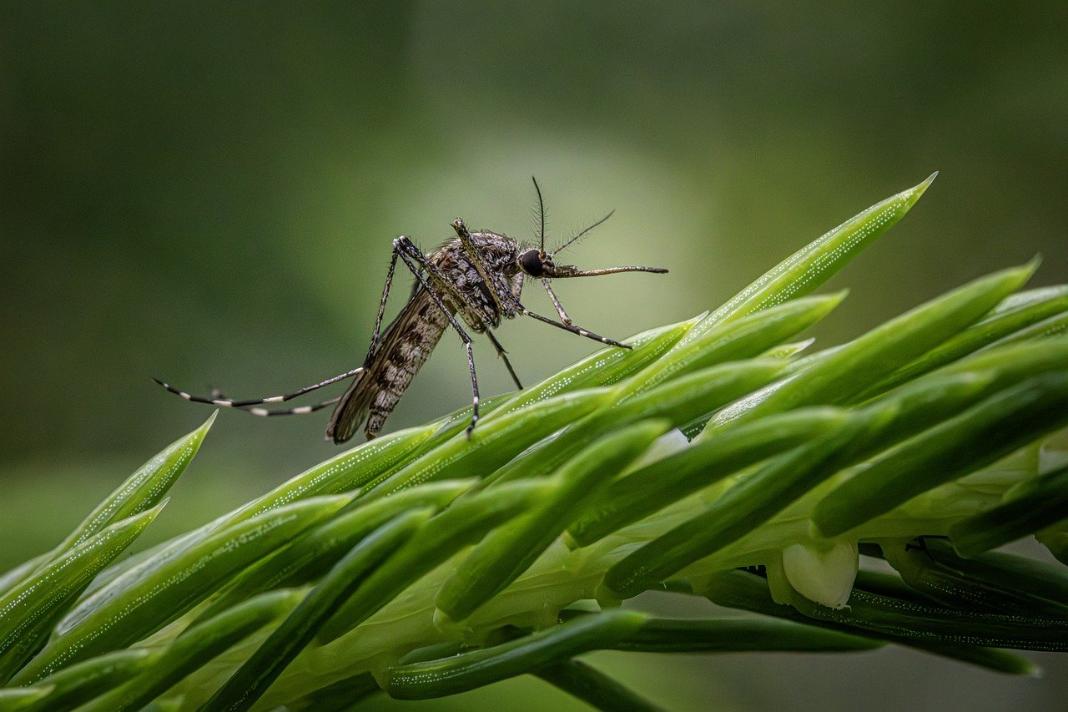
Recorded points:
(207,193)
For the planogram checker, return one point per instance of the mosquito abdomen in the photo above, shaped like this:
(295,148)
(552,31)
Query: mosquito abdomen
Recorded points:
(404,351)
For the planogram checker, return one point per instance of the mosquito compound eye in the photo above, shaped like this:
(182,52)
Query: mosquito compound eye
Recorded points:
(531,263)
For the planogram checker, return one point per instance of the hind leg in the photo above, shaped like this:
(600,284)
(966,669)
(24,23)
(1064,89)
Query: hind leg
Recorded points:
(218,400)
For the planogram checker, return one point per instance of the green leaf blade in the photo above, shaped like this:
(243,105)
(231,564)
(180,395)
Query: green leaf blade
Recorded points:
(662,483)
(467,671)
(1002,325)
(257,673)
(843,373)
(86,680)
(315,551)
(1034,505)
(734,635)
(144,599)
(746,337)
(492,444)
(992,429)
(194,647)
(509,550)
(28,609)
(681,401)
(593,687)
(144,488)
(462,524)
(806,269)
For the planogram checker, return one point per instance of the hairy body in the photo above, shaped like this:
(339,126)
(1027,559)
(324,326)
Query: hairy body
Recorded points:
(411,337)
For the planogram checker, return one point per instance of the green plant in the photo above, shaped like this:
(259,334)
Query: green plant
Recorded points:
(425,563)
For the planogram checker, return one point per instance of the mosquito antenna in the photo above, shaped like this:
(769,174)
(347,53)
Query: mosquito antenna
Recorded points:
(576,237)
(541,214)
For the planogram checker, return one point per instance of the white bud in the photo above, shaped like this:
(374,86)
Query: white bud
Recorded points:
(823,573)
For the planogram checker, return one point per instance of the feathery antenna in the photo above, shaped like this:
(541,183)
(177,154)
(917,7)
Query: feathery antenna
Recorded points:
(541,215)
(576,237)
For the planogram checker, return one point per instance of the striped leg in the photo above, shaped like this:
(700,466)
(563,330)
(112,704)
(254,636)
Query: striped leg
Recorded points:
(414,259)
(299,410)
(269,412)
(231,403)
(574,329)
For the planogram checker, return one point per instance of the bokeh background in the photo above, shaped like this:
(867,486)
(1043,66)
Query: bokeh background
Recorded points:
(207,192)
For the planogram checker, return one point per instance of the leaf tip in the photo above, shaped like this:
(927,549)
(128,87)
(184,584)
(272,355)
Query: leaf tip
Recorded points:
(196,437)
(154,511)
(1034,263)
(913,194)
(206,426)
(1022,274)
(836,298)
(922,187)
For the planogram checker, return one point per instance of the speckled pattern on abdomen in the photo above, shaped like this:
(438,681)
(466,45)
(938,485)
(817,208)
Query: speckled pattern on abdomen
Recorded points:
(405,348)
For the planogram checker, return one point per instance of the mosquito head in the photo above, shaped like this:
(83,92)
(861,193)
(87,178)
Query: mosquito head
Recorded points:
(539,263)
(536,263)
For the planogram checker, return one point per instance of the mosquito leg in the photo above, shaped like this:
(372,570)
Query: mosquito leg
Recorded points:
(342,414)
(300,410)
(414,259)
(517,287)
(575,329)
(476,259)
(231,403)
(376,337)
(556,302)
(504,355)
(264,412)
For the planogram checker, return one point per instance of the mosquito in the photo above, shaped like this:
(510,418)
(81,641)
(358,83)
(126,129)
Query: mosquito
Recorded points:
(475,280)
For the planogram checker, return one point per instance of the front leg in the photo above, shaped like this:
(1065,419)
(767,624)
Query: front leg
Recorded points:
(574,329)
(556,301)
(417,262)
(517,295)
(507,302)
(476,259)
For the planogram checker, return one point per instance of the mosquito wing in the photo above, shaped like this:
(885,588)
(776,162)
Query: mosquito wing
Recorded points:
(405,347)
